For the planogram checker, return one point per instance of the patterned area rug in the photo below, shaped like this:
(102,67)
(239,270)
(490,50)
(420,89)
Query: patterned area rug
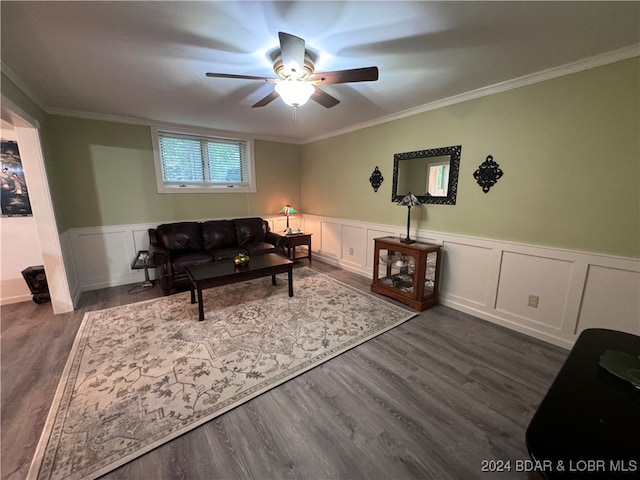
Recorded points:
(140,375)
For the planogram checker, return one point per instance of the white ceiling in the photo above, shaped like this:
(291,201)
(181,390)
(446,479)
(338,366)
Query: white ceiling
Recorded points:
(147,60)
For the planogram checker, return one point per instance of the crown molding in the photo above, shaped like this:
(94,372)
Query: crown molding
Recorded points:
(614,56)
(144,122)
(22,86)
(101,117)
(105,117)
(586,64)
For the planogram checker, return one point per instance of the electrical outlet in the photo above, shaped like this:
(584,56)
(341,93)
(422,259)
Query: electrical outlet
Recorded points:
(351,251)
(533,301)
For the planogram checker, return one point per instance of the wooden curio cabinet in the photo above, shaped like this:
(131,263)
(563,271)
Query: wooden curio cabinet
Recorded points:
(407,272)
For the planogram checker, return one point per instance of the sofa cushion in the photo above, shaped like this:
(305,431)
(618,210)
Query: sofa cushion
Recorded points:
(258,248)
(226,253)
(181,236)
(218,234)
(182,260)
(250,230)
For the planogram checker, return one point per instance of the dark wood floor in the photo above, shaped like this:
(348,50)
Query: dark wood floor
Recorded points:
(430,399)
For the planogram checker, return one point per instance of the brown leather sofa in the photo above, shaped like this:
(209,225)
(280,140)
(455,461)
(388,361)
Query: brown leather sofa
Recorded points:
(173,246)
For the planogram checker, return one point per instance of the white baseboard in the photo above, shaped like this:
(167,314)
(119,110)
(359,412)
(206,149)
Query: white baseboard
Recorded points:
(488,278)
(492,279)
(518,327)
(100,257)
(15,299)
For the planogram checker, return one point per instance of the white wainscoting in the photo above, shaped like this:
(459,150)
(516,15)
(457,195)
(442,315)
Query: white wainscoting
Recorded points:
(487,278)
(100,257)
(493,279)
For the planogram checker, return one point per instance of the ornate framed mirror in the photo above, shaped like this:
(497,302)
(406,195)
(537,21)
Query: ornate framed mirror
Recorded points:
(431,175)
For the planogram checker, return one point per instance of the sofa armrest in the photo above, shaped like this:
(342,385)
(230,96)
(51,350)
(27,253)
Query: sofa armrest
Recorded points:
(279,241)
(159,255)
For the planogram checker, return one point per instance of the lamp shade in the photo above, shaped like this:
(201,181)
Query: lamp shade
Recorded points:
(409,200)
(287,211)
(294,92)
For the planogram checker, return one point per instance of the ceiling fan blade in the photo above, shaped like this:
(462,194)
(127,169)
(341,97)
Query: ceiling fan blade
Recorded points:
(365,74)
(324,99)
(242,77)
(292,50)
(266,100)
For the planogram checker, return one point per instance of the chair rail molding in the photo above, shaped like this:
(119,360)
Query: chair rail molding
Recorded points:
(100,257)
(494,279)
(490,279)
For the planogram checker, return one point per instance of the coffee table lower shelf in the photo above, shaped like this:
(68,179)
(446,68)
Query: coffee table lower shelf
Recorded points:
(226,272)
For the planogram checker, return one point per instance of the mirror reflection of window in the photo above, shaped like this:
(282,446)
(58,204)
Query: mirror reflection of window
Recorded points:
(431,175)
(438,179)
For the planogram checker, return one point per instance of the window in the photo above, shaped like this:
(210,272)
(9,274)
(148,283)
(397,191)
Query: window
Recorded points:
(202,164)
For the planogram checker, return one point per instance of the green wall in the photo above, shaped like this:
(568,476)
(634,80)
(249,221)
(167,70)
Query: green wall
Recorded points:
(103,173)
(17,96)
(569,149)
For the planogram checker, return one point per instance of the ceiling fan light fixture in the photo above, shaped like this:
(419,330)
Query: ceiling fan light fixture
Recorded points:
(294,92)
(298,81)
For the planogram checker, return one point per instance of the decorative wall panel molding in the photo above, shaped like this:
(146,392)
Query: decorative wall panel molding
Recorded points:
(522,275)
(487,278)
(100,257)
(493,280)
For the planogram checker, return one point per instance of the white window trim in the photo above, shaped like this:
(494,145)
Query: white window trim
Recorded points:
(250,187)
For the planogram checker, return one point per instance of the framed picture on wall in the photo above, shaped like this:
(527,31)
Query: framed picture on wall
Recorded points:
(14,196)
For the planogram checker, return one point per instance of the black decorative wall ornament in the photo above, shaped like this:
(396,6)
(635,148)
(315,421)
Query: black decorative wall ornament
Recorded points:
(487,174)
(376,179)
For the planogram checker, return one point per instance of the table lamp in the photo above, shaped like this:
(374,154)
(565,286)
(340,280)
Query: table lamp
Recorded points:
(409,200)
(287,211)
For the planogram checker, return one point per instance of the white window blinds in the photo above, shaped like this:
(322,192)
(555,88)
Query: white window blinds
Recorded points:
(181,159)
(189,161)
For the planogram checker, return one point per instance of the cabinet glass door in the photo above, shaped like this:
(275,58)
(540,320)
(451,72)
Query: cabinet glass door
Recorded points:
(430,274)
(396,270)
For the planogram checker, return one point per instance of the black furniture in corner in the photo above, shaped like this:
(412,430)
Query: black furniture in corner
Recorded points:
(588,424)
(37,283)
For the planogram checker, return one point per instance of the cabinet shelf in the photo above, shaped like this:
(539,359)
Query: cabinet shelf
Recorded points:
(407,272)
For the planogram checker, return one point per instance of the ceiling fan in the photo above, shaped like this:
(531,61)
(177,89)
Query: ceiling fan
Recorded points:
(297,81)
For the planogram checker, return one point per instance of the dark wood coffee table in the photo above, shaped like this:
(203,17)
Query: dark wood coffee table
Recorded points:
(225,272)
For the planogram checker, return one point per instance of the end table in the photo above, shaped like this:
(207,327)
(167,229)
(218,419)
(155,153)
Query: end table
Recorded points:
(141,261)
(295,240)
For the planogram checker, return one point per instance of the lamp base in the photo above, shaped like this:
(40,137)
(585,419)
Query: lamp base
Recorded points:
(407,240)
